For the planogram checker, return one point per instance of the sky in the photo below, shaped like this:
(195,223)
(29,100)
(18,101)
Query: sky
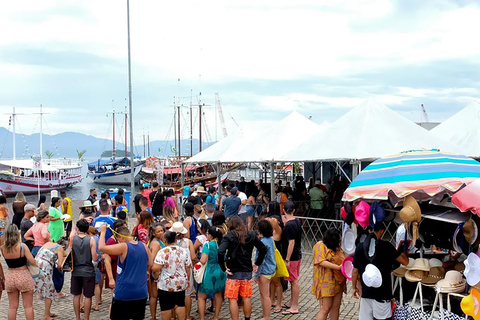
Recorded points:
(264,58)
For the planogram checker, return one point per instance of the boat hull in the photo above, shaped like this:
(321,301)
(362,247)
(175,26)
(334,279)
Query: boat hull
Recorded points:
(31,187)
(118,177)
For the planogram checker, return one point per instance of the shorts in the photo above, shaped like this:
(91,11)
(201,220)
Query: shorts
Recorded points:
(250,210)
(294,270)
(127,310)
(171,299)
(67,225)
(18,280)
(98,276)
(85,284)
(234,287)
(370,308)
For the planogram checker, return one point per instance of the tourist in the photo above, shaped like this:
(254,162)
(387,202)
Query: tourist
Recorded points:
(121,210)
(172,267)
(169,215)
(131,291)
(219,220)
(262,197)
(99,267)
(214,278)
(156,199)
(41,203)
(293,256)
(267,269)
(84,252)
(242,185)
(243,209)
(3,212)
(146,193)
(251,194)
(49,257)
(92,197)
(212,197)
(276,288)
(209,211)
(190,222)
(17,207)
(156,243)
(375,302)
(136,200)
(169,202)
(328,282)
(183,241)
(26,224)
(38,233)
(67,209)
(18,279)
(280,196)
(201,238)
(317,198)
(143,203)
(199,212)
(55,224)
(238,246)
(111,261)
(232,204)
(140,232)
(104,217)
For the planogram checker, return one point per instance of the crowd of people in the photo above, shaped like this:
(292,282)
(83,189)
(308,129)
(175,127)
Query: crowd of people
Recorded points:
(154,263)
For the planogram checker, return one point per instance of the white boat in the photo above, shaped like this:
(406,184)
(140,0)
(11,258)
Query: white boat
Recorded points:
(45,175)
(114,172)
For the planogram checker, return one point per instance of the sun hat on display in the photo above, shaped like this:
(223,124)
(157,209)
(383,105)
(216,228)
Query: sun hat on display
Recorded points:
(411,213)
(362,214)
(419,270)
(436,272)
(470,231)
(471,305)
(400,271)
(347,267)
(460,244)
(348,240)
(377,214)
(476,242)
(453,282)
(178,227)
(372,276)
(472,269)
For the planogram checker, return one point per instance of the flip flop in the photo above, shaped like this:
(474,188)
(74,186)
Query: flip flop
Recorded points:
(277,310)
(285,313)
(286,307)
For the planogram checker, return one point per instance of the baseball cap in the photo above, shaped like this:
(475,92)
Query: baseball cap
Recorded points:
(288,206)
(234,190)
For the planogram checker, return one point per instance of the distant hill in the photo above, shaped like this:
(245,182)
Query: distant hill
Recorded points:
(66,145)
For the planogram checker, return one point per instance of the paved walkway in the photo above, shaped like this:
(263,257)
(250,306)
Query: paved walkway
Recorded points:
(308,304)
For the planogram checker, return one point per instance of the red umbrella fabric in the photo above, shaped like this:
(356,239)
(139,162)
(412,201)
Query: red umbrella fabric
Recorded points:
(468,198)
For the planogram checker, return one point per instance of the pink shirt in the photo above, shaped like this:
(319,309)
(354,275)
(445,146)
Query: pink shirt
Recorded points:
(169,202)
(38,230)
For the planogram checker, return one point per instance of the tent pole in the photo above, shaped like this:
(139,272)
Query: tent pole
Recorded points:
(321,172)
(272,182)
(341,169)
(219,180)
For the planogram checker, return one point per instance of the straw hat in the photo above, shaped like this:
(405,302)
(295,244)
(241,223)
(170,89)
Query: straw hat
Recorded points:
(453,282)
(460,267)
(178,227)
(347,267)
(436,272)
(411,213)
(201,189)
(400,271)
(472,269)
(471,304)
(86,204)
(362,214)
(418,271)
(470,231)
(372,277)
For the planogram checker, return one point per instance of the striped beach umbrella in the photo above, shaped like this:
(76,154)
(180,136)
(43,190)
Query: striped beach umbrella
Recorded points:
(422,174)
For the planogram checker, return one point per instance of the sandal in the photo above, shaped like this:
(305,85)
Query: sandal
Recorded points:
(82,309)
(277,310)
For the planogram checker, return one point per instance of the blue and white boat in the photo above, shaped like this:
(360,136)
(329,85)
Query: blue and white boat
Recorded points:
(114,172)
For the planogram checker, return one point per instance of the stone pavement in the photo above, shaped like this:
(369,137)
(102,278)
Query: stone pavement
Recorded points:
(307,303)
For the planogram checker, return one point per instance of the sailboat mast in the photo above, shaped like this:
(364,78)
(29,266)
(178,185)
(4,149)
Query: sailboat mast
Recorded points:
(191,124)
(179,136)
(113,150)
(132,166)
(200,125)
(13,128)
(126,154)
(41,132)
(148,141)
(144,144)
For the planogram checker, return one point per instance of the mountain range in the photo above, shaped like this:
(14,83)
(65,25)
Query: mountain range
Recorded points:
(66,145)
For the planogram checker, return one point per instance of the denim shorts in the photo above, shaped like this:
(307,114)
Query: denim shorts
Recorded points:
(250,210)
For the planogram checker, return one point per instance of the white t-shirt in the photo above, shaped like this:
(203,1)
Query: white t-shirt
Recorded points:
(401,236)
(242,197)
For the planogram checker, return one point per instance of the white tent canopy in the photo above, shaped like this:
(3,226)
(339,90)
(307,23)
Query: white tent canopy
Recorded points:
(369,131)
(462,130)
(262,145)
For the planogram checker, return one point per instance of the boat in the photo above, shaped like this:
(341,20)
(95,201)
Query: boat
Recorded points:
(37,175)
(30,177)
(114,171)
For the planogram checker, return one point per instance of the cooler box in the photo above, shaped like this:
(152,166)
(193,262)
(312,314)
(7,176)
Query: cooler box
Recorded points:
(114,192)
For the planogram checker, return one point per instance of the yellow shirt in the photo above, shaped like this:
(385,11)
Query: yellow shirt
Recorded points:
(69,209)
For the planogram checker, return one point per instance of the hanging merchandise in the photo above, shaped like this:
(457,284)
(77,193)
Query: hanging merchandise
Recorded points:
(471,304)
(362,214)
(348,240)
(411,213)
(347,267)
(372,276)
(377,214)
(347,213)
(472,269)
(453,282)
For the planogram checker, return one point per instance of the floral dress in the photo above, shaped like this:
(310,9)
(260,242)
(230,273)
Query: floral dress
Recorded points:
(326,281)
(214,278)
(43,282)
(173,277)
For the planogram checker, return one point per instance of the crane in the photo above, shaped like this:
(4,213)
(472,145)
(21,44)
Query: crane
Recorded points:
(220,114)
(425,114)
